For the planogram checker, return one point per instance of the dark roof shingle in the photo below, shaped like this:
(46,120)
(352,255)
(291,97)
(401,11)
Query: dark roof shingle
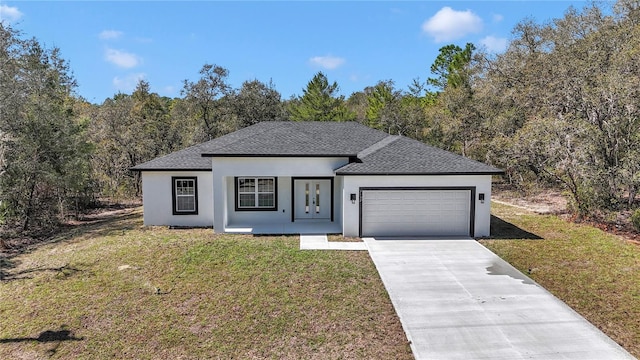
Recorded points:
(404,156)
(185,159)
(377,153)
(288,138)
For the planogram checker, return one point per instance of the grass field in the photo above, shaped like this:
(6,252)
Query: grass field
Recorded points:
(595,273)
(116,289)
(119,290)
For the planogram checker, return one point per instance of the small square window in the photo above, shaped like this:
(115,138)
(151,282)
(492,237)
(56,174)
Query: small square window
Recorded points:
(247,200)
(265,185)
(246,185)
(265,200)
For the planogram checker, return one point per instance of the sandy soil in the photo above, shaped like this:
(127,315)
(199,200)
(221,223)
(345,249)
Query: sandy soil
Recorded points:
(553,202)
(545,202)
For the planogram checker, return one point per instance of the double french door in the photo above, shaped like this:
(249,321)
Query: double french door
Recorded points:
(312,198)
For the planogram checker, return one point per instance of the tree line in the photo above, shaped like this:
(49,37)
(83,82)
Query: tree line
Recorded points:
(560,107)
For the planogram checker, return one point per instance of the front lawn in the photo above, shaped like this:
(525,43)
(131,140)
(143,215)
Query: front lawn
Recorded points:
(119,290)
(595,273)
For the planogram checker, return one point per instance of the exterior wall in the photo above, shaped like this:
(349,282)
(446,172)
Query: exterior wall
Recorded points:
(352,185)
(226,169)
(281,215)
(157,199)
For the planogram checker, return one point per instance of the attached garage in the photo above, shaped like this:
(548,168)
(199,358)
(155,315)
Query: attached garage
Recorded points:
(417,211)
(401,187)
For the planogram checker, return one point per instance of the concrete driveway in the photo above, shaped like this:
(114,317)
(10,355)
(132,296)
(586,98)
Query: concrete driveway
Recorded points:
(458,300)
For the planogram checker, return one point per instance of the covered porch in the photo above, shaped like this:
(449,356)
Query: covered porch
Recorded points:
(300,205)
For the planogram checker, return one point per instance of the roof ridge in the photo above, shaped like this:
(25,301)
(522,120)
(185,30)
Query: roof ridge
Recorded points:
(379,145)
(276,124)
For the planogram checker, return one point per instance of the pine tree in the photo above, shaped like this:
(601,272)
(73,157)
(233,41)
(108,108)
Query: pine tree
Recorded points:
(320,102)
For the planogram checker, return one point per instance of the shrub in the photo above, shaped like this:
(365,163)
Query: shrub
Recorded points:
(635,219)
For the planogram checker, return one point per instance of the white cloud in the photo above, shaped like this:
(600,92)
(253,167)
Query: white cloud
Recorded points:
(9,14)
(328,62)
(448,24)
(122,59)
(110,34)
(494,44)
(128,83)
(497,18)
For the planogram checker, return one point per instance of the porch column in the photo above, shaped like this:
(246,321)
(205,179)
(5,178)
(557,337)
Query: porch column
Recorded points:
(219,203)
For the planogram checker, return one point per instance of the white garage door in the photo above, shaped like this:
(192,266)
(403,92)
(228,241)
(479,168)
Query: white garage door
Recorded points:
(416,212)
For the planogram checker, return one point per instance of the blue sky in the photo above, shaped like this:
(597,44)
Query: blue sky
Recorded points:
(112,44)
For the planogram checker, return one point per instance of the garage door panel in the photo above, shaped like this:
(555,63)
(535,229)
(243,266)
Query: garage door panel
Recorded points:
(416,212)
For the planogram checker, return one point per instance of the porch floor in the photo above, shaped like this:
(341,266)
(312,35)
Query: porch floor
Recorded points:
(297,227)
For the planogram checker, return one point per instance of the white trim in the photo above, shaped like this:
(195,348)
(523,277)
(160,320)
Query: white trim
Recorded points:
(192,195)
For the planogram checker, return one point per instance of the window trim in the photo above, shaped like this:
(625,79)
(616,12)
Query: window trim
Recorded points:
(255,208)
(174,202)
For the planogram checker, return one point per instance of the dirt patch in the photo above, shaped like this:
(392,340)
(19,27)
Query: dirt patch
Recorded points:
(103,213)
(554,203)
(340,238)
(14,244)
(542,202)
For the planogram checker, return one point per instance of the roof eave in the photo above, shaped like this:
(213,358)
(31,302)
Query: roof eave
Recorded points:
(170,169)
(279,155)
(419,173)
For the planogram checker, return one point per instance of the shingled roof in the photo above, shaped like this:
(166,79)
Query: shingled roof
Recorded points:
(288,138)
(403,156)
(376,152)
(186,159)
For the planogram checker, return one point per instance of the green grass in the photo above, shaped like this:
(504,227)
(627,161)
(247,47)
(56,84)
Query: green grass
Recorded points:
(595,273)
(120,290)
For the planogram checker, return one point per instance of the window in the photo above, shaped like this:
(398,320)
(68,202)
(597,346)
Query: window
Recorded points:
(185,195)
(256,193)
